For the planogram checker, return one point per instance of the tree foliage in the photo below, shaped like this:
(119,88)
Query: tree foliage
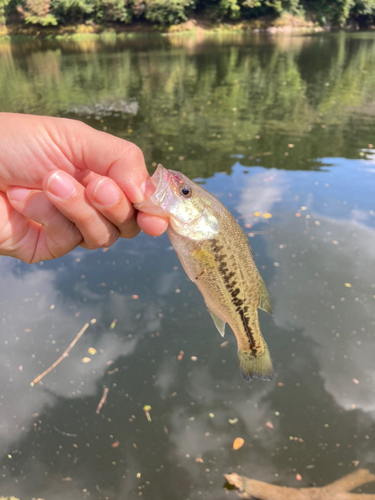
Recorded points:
(169,12)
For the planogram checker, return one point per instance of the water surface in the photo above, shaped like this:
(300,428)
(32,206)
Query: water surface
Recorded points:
(281,126)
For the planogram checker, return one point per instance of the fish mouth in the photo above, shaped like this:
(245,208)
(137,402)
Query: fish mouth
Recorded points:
(157,202)
(160,179)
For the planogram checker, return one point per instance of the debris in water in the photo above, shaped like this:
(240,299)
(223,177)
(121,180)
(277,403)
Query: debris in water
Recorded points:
(339,489)
(65,354)
(238,443)
(147,409)
(269,425)
(103,400)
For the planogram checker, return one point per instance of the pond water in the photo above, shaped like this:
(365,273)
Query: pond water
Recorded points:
(281,126)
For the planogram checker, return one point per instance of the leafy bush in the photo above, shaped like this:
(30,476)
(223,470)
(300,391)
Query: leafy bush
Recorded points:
(3,10)
(72,11)
(167,11)
(113,10)
(37,12)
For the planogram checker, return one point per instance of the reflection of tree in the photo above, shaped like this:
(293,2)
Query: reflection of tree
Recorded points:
(205,99)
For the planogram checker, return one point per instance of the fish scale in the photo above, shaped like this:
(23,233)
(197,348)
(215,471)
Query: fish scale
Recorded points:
(217,257)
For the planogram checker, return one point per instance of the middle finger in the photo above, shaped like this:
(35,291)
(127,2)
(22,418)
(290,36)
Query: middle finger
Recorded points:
(68,195)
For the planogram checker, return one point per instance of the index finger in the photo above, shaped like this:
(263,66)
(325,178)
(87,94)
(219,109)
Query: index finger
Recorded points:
(105,154)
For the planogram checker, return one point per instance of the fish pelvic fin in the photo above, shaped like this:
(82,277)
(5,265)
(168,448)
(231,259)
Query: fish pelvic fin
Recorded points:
(219,323)
(264,298)
(256,364)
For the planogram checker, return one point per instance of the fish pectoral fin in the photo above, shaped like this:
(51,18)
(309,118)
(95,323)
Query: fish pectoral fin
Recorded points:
(264,298)
(219,323)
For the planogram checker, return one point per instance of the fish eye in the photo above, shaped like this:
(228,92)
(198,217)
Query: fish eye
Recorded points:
(185,191)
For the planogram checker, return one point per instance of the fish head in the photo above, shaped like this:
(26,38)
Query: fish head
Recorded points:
(185,203)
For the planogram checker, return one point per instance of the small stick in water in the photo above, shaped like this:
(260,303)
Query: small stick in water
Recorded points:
(69,434)
(65,354)
(103,400)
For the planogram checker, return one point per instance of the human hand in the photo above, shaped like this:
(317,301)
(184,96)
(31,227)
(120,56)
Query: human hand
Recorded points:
(64,184)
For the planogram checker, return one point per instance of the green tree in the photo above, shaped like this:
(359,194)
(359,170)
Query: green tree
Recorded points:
(73,11)
(113,10)
(3,10)
(166,12)
(37,12)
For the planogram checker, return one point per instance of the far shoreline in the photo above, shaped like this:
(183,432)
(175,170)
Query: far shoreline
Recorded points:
(286,24)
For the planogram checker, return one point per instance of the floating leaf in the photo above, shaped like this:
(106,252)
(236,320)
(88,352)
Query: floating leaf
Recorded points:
(180,356)
(348,285)
(92,350)
(86,360)
(267,216)
(238,443)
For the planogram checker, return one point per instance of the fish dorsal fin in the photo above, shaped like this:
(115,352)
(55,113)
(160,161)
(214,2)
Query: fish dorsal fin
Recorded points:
(264,298)
(219,323)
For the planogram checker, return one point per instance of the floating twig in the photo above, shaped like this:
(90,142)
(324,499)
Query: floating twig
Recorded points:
(65,433)
(103,400)
(338,490)
(65,354)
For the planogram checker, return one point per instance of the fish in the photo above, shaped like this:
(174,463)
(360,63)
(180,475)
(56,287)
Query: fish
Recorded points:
(216,255)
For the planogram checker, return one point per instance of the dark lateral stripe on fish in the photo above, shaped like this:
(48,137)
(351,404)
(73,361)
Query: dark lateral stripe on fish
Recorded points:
(248,331)
(227,276)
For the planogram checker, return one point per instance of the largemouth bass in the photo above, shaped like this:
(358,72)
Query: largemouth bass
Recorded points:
(217,257)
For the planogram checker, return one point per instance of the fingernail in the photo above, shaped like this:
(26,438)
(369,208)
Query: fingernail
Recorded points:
(18,194)
(61,185)
(106,193)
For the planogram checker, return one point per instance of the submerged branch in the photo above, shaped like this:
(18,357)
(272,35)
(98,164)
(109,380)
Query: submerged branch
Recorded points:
(338,490)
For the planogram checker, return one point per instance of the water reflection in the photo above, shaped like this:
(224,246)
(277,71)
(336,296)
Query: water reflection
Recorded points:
(270,125)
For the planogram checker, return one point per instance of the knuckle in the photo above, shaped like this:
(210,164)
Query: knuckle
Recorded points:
(135,153)
(130,232)
(104,241)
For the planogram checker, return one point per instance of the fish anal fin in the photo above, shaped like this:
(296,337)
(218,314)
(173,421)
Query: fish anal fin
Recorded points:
(219,323)
(264,298)
(256,364)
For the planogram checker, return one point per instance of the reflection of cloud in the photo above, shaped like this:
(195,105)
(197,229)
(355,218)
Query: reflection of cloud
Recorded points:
(311,294)
(203,431)
(166,378)
(37,326)
(261,192)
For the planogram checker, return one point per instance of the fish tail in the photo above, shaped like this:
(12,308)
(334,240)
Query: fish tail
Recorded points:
(256,364)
